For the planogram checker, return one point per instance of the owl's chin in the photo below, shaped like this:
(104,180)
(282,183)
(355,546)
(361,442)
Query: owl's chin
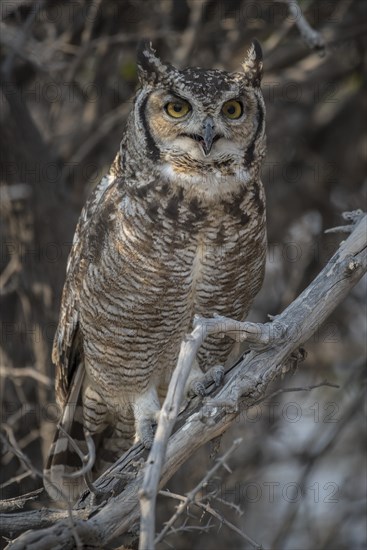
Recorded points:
(193,146)
(189,149)
(204,146)
(207,181)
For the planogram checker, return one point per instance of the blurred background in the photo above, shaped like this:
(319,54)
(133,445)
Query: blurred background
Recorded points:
(68,76)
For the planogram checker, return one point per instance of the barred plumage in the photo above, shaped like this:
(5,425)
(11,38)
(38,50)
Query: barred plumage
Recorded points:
(176,228)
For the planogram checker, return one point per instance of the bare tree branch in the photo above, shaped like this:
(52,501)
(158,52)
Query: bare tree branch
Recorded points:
(244,385)
(25,372)
(312,38)
(19,502)
(167,418)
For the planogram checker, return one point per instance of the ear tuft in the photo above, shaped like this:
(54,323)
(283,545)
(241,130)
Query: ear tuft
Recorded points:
(150,68)
(253,63)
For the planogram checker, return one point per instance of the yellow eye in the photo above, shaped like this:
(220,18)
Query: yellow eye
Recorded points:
(178,108)
(232,109)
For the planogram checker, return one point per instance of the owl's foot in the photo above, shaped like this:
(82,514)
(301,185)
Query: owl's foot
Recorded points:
(217,374)
(146,433)
(198,385)
(146,412)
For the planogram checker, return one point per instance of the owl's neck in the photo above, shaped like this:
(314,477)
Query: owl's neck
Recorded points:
(209,182)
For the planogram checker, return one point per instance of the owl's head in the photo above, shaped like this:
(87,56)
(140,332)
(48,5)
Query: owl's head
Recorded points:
(196,122)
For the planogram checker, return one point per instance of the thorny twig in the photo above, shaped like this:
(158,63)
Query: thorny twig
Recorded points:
(191,495)
(291,390)
(222,519)
(207,508)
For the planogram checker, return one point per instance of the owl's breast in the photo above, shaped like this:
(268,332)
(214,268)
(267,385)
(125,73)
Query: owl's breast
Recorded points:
(228,267)
(154,273)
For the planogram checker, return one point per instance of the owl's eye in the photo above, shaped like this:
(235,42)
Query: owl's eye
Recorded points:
(232,109)
(177,109)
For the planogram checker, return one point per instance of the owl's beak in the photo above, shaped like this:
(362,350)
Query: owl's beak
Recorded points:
(208,136)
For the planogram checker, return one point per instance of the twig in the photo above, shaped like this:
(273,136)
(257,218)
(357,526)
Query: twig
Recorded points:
(8,8)
(87,460)
(105,125)
(13,267)
(351,217)
(19,502)
(191,33)
(313,451)
(222,519)
(22,521)
(19,43)
(13,445)
(25,372)
(312,38)
(15,479)
(90,20)
(214,513)
(288,390)
(36,473)
(191,495)
(14,192)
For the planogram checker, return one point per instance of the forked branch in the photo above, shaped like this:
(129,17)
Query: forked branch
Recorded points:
(244,385)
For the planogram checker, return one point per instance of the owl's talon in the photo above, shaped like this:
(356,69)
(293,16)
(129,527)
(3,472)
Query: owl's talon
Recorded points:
(197,387)
(146,435)
(217,374)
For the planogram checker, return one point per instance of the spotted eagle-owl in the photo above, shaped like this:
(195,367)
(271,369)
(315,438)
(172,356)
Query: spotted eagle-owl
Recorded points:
(176,228)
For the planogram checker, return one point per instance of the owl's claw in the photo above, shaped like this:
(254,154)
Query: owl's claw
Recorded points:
(197,387)
(146,434)
(215,374)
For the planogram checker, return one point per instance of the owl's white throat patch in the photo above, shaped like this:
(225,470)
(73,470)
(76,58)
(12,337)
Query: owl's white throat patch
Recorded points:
(217,173)
(210,182)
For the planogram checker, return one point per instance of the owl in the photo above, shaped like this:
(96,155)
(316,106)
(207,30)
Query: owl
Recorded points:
(176,228)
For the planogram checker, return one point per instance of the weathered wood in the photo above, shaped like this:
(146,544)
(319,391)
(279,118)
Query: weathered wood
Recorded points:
(244,385)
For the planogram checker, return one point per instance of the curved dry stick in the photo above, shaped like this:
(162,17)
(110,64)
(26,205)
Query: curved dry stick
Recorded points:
(244,385)
(239,331)
(251,331)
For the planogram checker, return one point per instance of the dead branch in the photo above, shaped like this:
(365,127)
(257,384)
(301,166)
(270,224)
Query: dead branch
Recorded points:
(19,502)
(17,523)
(312,38)
(244,385)
(30,372)
(29,49)
(251,332)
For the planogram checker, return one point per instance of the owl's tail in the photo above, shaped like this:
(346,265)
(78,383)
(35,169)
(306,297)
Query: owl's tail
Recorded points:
(63,459)
(64,462)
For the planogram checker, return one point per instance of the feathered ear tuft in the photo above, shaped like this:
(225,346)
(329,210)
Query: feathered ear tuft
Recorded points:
(253,64)
(150,68)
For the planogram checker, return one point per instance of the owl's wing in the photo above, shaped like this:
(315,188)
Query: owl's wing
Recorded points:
(67,345)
